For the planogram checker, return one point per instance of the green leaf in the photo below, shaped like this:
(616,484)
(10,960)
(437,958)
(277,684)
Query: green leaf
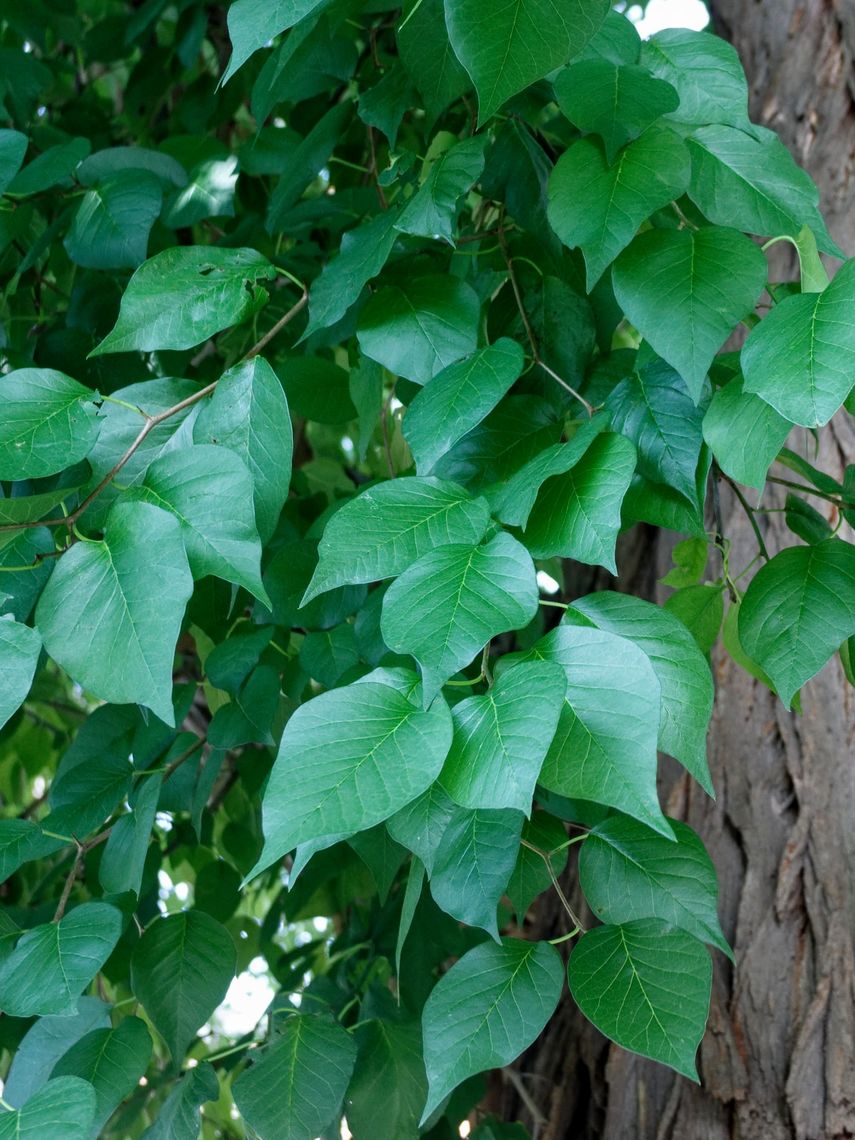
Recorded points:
(120,427)
(598,206)
(750,182)
(800,358)
(111,226)
(111,612)
(112,1061)
(123,862)
(700,609)
(385,104)
(628,873)
(296,1087)
(805,521)
(501,738)
(416,330)
(744,433)
(51,168)
(248,413)
(180,971)
(20,647)
(104,164)
(451,602)
(420,824)
(364,251)
(49,423)
(52,964)
(388,1088)
(432,211)
(706,72)
(43,1045)
(305,162)
(578,514)
(473,862)
(512,501)
(381,855)
(254,23)
(708,279)
(488,1008)
(185,294)
(616,102)
(605,746)
(458,399)
(506,49)
(22,841)
(348,760)
(653,409)
(682,671)
(647,987)
(386,528)
(797,611)
(63,1107)
(210,193)
(412,897)
(428,56)
(209,490)
(13,147)
(690,561)
(178,1116)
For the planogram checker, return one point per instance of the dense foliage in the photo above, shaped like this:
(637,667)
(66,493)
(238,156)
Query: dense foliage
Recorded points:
(334,337)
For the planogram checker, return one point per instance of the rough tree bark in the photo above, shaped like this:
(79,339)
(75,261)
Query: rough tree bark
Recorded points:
(778,1059)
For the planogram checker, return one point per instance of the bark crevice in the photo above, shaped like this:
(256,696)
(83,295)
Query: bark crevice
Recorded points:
(778,1059)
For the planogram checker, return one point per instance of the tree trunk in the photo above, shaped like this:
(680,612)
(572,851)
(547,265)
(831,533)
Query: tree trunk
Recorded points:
(778,1058)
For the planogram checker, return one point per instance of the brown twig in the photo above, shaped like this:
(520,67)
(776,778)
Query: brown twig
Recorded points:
(82,851)
(278,327)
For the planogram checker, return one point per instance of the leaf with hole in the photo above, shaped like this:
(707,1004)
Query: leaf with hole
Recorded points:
(185,294)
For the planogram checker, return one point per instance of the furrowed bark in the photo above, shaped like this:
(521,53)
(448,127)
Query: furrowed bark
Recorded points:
(778,1059)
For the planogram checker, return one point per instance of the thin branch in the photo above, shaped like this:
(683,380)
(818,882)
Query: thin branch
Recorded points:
(153,421)
(513,1078)
(749,513)
(82,850)
(278,327)
(574,918)
(529,331)
(806,490)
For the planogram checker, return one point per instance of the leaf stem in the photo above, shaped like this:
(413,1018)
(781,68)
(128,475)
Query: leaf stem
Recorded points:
(749,513)
(284,320)
(529,331)
(574,918)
